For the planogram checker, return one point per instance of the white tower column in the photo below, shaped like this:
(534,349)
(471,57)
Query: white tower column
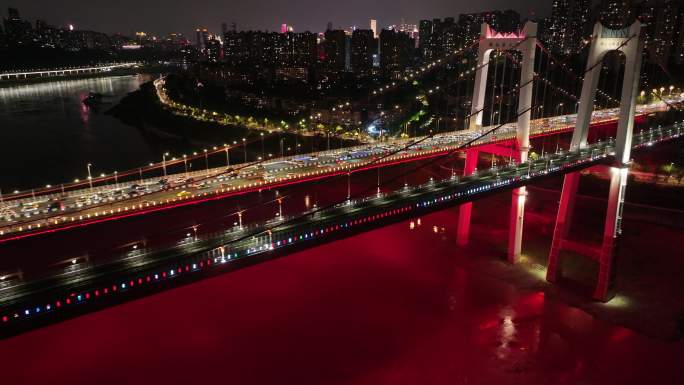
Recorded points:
(528,49)
(604,40)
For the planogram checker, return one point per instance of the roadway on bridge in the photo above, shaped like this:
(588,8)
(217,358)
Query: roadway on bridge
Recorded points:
(29,215)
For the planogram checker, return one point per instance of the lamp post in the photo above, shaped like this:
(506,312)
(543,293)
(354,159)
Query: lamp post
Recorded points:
(90,177)
(116,180)
(185,163)
(206,160)
(164,162)
(263,151)
(244,147)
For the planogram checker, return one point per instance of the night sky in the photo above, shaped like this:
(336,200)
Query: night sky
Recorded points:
(162,17)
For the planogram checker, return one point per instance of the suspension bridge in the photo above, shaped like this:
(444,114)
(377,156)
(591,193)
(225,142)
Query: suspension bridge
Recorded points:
(63,72)
(402,193)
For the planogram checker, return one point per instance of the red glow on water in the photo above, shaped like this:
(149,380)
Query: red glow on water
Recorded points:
(392,306)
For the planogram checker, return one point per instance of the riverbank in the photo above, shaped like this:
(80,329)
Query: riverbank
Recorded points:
(144,110)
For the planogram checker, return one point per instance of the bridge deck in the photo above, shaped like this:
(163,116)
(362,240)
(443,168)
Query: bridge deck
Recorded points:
(25,299)
(27,214)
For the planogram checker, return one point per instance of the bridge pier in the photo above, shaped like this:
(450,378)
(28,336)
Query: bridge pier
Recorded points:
(627,41)
(465,210)
(604,254)
(516,224)
(524,41)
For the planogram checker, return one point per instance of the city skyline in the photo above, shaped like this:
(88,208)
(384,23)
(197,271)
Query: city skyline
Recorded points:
(127,17)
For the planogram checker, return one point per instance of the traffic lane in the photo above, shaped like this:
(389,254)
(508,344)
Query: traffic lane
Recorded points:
(108,239)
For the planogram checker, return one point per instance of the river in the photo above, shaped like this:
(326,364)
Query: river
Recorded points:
(49,136)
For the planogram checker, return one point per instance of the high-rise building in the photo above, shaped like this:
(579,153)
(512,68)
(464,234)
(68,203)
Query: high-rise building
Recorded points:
(224,28)
(374,27)
(615,14)
(299,50)
(201,38)
(283,28)
(363,46)
(335,53)
(667,25)
(424,34)
(569,24)
(257,48)
(213,50)
(17,31)
(396,52)
(329,27)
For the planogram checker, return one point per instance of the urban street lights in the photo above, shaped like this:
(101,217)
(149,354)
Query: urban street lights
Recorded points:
(280,208)
(244,147)
(206,160)
(164,162)
(263,151)
(116,180)
(90,177)
(185,163)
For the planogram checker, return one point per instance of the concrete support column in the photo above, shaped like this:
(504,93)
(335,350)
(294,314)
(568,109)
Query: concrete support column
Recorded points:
(516,224)
(465,210)
(563,222)
(528,49)
(611,231)
(476,109)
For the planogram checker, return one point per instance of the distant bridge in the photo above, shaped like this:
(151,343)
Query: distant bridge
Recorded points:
(63,72)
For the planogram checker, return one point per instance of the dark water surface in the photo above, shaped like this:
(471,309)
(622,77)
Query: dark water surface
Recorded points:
(391,306)
(48,136)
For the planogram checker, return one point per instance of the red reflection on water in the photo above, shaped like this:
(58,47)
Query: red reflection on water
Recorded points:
(392,306)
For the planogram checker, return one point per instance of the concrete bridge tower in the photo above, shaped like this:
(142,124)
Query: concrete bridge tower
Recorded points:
(525,42)
(628,42)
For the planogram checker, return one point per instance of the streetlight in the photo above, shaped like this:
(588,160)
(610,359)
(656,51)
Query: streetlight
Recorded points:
(226,148)
(263,152)
(116,180)
(185,162)
(244,147)
(206,160)
(164,162)
(90,178)
(280,208)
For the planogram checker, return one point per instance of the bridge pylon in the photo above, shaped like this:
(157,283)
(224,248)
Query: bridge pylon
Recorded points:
(525,42)
(604,40)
